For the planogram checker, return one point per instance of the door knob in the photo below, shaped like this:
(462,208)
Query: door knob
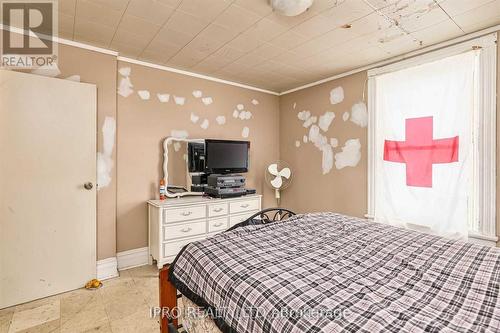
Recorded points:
(88,186)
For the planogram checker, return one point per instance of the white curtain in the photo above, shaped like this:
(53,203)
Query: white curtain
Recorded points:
(424,145)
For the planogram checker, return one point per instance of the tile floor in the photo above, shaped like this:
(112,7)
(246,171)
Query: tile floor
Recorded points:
(120,305)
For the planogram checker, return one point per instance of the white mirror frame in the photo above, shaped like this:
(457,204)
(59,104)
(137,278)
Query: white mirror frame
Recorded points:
(166,142)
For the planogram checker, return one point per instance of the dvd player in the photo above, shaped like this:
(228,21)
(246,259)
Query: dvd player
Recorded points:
(225,181)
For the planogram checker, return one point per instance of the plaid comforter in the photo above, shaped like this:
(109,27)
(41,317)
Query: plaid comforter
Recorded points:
(327,272)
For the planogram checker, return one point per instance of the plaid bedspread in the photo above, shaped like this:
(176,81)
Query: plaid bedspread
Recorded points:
(327,272)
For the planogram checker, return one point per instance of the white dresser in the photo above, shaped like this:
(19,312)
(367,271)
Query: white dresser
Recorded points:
(176,222)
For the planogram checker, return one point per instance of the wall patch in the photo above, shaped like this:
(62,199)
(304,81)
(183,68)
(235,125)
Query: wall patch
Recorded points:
(179,100)
(204,125)
(194,118)
(207,100)
(163,98)
(221,120)
(104,158)
(144,94)
(326,120)
(350,155)
(336,95)
(359,114)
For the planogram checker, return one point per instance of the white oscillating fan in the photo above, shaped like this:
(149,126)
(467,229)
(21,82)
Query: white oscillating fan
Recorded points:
(278,177)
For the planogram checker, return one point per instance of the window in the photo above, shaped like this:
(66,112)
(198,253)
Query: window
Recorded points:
(432,141)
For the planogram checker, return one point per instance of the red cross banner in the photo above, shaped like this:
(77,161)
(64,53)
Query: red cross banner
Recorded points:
(424,143)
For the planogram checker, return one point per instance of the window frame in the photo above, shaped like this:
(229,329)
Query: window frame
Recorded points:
(485,114)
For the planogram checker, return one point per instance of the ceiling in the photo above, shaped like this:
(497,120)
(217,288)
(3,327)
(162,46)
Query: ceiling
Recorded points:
(246,42)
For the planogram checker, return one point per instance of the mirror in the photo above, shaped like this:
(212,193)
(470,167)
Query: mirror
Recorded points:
(175,167)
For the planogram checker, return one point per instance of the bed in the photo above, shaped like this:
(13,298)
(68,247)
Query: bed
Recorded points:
(327,272)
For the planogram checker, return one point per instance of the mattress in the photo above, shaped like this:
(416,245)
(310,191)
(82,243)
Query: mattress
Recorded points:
(327,272)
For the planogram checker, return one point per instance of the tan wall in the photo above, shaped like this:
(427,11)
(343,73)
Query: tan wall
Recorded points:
(340,190)
(99,69)
(345,190)
(143,125)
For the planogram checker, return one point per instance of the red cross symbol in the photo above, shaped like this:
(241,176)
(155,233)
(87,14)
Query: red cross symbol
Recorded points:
(420,151)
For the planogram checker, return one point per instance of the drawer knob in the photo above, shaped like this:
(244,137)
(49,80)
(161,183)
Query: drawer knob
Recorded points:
(245,206)
(186,230)
(186,213)
(218,224)
(217,210)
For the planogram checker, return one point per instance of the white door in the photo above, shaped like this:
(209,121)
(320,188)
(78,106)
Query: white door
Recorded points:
(47,217)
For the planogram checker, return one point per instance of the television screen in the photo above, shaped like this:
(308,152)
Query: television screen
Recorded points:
(223,156)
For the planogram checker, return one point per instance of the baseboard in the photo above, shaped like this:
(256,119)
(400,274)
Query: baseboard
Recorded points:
(107,268)
(132,258)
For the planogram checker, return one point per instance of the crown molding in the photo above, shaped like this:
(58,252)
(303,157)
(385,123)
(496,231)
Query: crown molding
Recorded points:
(405,56)
(139,62)
(196,75)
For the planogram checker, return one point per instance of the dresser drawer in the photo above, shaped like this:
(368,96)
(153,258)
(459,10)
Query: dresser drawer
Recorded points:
(235,219)
(219,224)
(244,206)
(173,248)
(185,213)
(184,230)
(218,209)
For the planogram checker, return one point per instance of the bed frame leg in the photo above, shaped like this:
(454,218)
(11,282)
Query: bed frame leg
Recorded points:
(168,302)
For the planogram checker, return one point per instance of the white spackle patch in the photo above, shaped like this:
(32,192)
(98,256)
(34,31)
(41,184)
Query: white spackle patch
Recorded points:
(327,162)
(294,105)
(305,139)
(179,100)
(321,142)
(177,146)
(125,71)
(179,134)
(207,100)
(163,98)
(185,157)
(345,116)
(47,70)
(240,107)
(255,102)
(125,87)
(205,124)
(194,118)
(311,120)
(197,93)
(336,95)
(245,132)
(304,115)
(297,143)
(221,120)
(359,114)
(316,137)
(104,158)
(245,115)
(144,94)
(350,155)
(236,113)
(325,120)
(75,78)
(334,142)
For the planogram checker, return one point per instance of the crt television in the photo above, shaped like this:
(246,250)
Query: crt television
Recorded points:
(225,156)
